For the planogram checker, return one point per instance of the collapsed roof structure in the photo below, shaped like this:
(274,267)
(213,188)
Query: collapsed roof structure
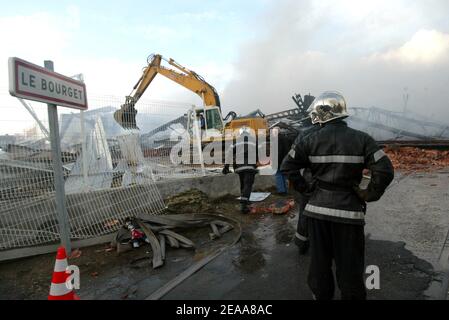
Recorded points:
(383,125)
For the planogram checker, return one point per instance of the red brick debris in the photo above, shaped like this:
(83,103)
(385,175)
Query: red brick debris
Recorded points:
(417,159)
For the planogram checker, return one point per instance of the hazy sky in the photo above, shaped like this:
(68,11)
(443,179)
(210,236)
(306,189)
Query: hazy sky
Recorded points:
(256,53)
(371,51)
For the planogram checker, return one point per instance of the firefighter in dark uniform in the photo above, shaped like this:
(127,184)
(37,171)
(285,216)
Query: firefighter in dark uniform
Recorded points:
(337,156)
(244,155)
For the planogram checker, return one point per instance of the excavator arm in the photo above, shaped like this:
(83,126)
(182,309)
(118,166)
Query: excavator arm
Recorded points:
(126,115)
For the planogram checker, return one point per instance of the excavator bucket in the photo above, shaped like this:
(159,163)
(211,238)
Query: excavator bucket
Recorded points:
(126,117)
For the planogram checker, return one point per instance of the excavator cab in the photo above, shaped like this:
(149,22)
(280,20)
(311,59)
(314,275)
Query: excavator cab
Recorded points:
(213,119)
(208,120)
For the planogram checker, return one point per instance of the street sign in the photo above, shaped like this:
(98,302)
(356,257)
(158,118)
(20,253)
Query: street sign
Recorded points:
(32,82)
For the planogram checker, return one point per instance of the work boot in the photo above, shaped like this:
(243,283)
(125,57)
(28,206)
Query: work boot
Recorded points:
(244,207)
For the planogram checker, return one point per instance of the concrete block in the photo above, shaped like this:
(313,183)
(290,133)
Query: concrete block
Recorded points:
(214,187)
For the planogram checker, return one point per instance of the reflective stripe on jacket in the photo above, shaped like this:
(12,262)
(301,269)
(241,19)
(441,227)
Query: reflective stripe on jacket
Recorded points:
(244,154)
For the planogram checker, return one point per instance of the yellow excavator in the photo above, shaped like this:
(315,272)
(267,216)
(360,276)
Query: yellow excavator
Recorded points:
(209,115)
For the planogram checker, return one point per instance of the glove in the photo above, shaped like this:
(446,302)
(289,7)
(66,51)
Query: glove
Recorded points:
(361,193)
(225,170)
(365,194)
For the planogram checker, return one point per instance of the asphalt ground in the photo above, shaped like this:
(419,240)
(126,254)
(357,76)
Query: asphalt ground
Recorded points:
(406,238)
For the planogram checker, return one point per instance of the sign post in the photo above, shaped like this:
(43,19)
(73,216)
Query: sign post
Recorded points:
(63,219)
(32,82)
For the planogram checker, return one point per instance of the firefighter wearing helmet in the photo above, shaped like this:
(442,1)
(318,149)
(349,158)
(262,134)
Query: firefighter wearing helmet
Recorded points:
(336,156)
(243,154)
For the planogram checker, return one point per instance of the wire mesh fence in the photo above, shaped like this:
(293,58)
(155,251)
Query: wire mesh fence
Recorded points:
(109,173)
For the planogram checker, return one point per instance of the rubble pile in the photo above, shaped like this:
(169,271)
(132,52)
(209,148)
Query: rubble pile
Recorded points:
(417,159)
(192,200)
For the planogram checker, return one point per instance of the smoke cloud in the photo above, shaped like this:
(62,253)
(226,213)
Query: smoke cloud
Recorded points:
(374,52)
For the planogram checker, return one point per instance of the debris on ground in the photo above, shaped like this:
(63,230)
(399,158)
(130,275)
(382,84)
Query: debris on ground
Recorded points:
(160,231)
(417,159)
(257,196)
(75,254)
(281,206)
(192,200)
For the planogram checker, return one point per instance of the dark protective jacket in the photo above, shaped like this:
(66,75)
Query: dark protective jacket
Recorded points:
(285,142)
(243,154)
(336,156)
(301,179)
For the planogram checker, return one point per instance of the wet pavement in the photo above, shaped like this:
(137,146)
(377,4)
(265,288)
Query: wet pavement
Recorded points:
(405,244)
(415,211)
(266,265)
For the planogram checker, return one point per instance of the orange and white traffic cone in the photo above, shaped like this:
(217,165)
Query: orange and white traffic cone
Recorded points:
(59,289)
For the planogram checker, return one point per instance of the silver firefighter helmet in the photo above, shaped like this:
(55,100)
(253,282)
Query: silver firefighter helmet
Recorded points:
(328,106)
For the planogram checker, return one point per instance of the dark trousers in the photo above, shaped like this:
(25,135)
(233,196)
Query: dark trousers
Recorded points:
(246,183)
(344,244)
(301,229)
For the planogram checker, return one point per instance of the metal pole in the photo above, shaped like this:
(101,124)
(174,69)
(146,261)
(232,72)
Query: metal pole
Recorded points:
(198,133)
(64,227)
(84,150)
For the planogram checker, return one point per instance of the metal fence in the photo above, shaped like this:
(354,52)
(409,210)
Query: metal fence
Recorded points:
(109,173)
